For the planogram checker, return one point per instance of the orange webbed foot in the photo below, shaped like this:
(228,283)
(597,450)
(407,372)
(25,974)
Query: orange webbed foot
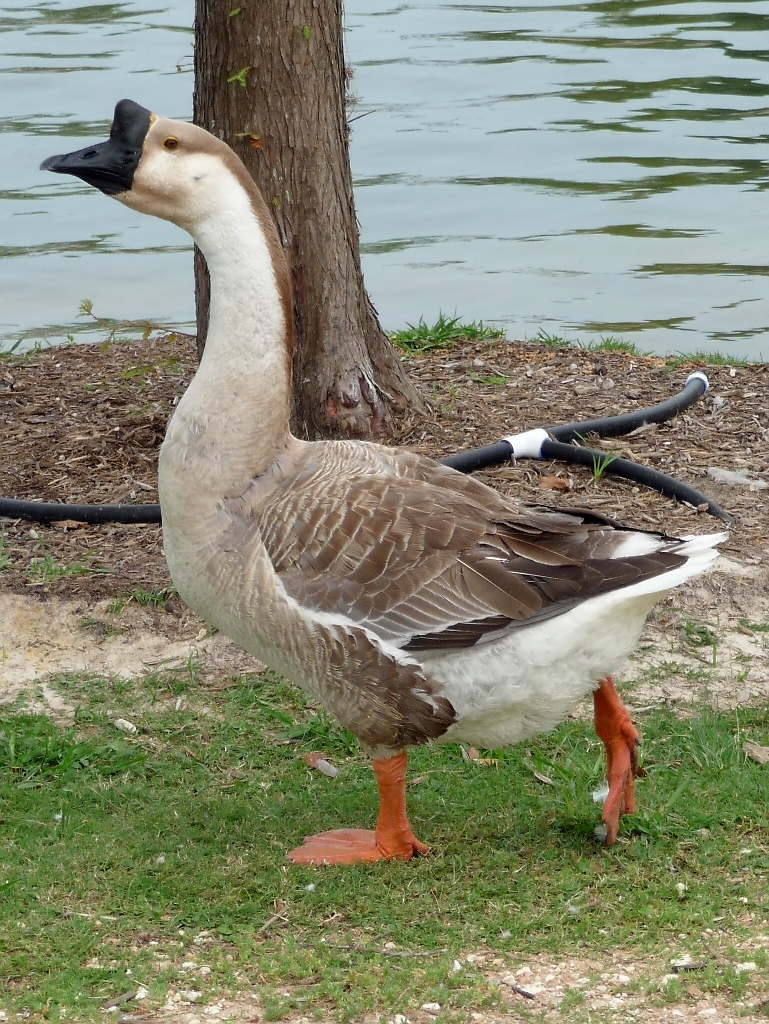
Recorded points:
(393,838)
(355,846)
(621,739)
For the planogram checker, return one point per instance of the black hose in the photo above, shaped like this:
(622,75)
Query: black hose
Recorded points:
(611,426)
(51,512)
(480,458)
(618,426)
(550,443)
(465,462)
(502,451)
(644,475)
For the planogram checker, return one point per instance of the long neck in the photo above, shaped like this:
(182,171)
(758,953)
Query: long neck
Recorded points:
(234,416)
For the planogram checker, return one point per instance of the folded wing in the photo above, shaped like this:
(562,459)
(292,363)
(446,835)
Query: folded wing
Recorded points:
(426,558)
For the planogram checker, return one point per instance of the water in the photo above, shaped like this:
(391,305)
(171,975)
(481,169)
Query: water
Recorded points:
(582,170)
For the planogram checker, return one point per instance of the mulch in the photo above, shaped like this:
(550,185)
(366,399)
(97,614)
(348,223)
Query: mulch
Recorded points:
(83,424)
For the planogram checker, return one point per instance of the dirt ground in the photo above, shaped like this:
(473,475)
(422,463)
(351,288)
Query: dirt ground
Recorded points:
(82,424)
(533,990)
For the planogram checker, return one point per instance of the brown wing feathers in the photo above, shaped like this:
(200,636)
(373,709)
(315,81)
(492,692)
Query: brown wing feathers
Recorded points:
(429,558)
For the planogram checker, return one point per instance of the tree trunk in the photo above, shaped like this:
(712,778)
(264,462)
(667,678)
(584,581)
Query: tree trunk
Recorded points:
(270,80)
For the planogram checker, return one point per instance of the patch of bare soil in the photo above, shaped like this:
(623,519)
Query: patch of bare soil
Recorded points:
(39,638)
(83,424)
(620,987)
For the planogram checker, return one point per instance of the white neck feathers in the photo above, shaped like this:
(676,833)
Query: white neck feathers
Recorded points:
(235,414)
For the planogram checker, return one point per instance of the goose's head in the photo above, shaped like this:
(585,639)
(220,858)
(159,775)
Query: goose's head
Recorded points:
(169,169)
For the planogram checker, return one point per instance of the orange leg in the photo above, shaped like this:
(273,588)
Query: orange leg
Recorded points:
(393,838)
(620,737)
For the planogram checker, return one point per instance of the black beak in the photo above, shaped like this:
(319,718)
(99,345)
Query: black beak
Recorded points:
(109,166)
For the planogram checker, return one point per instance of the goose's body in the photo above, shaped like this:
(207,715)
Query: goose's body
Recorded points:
(415,603)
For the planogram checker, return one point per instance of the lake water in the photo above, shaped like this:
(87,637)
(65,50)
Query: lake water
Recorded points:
(581,170)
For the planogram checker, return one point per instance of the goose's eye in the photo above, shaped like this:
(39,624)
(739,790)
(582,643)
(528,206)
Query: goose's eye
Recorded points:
(171,142)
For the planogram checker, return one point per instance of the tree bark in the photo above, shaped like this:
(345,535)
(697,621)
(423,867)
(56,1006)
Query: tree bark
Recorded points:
(270,80)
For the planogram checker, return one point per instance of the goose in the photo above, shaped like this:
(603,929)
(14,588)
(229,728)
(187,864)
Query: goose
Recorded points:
(416,604)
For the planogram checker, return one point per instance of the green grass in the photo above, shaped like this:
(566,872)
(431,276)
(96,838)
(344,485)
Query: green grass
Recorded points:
(44,569)
(497,380)
(709,358)
(154,598)
(446,332)
(612,344)
(699,634)
(5,558)
(755,627)
(35,753)
(544,337)
(604,344)
(601,464)
(118,851)
(129,328)
(12,354)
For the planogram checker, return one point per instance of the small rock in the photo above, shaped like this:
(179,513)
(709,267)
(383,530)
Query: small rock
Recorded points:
(431,1007)
(686,963)
(190,995)
(456,967)
(747,966)
(399,1018)
(756,752)
(125,726)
